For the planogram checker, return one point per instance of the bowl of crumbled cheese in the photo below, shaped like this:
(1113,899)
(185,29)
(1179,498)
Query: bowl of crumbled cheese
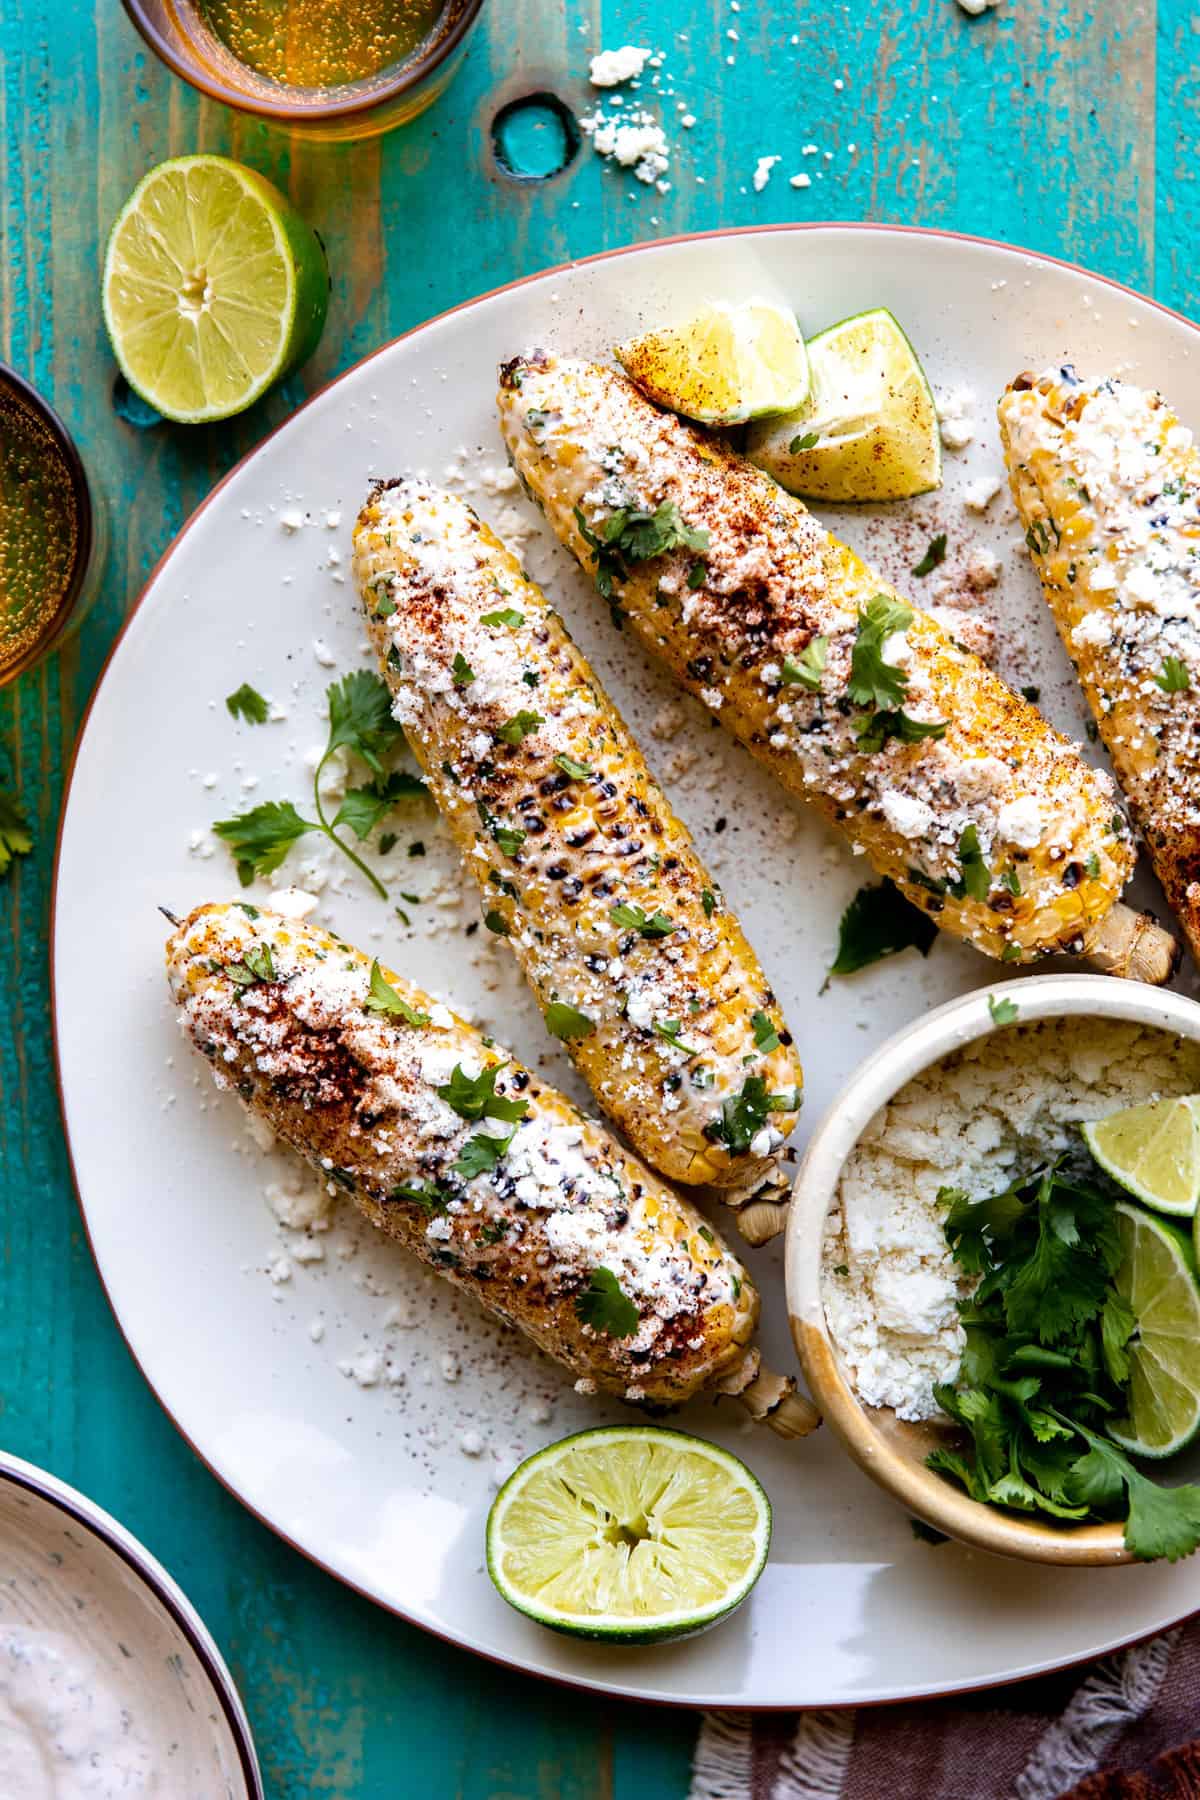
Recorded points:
(970,1098)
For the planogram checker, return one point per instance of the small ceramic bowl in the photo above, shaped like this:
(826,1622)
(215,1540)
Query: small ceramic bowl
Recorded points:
(103,1657)
(892,1451)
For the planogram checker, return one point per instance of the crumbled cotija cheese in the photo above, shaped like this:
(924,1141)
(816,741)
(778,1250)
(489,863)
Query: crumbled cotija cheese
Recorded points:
(977,1120)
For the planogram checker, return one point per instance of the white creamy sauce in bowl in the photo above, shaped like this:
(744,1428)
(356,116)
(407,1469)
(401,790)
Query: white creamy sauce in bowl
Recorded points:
(103,1694)
(1000,1108)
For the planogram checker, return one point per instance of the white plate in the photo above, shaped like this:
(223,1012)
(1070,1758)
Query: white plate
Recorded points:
(83,1600)
(373,1481)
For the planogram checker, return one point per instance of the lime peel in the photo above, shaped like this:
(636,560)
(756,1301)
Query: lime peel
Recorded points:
(1157,1278)
(1153,1152)
(724,365)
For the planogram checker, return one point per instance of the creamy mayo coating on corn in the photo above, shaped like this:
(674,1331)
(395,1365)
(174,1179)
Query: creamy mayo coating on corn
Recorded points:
(1107,483)
(387,1107)
(955,786)
(641,969)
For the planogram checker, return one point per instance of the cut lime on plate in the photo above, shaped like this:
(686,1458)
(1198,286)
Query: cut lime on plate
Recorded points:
(725,365)
(869,429)
(628,1533)
(1153,1152)
(1157,1277)
(214,287)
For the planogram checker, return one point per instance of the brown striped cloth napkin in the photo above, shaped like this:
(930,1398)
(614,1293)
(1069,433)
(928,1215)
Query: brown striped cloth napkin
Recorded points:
(1127,1728)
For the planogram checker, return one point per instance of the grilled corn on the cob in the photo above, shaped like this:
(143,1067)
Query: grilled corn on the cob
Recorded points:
(1107,484)
(639,966)
(955,787)
(466,1158)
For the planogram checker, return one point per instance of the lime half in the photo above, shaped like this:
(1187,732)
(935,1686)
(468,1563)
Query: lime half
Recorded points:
(214,287)
(725,365)
(869,430)
(628,1533)
(1157,1277)
(1153,1151)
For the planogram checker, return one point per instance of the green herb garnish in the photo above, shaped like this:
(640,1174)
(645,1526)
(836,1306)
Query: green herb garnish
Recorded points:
(631,535)
(515,730)
(1173,677)
(461,670)
(635,918)
(507,615)
(934,555)
(1003,1011)
(880,921)
(975,881)
(606,1307)
(475,1096)
(572,767)
(567,1022)
(248,704)
(806,669)
(383,998)
(807,441)
(766,1038)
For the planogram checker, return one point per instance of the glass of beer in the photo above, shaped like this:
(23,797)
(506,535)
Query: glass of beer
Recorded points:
(52,537)
(333,69)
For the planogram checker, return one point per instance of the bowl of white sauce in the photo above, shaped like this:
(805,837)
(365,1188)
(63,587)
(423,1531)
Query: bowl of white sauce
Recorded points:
(983,1090)
(111,1688)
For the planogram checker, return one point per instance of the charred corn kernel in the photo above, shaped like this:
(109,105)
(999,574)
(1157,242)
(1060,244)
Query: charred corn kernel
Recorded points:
(640,968)
(499,1184)
(953,785)
(1107,484)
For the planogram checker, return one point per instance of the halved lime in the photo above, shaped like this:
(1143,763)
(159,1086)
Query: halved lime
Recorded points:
(1157,1277)
(724,365)
(1153,1151)
(628,1533)
(214,287)
(869,430)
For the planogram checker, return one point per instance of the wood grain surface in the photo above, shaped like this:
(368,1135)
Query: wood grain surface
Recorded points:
(1063,125)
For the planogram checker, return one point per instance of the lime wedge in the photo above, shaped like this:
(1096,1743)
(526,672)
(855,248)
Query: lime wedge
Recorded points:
(214,287)
(869,429)
(628,1533)
(727,364)
(1157,1277)
(1153,1151)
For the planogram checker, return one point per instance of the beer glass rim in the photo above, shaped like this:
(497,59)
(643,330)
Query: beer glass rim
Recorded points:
(353,101)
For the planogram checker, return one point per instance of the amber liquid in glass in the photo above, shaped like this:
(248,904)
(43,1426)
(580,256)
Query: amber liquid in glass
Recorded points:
(320,43)
(39,531)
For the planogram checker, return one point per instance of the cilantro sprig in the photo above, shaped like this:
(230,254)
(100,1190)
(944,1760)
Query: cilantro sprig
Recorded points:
(880,921)
(361,722)
(880,686)
(631,535)
(744,1114)
(1046,1365)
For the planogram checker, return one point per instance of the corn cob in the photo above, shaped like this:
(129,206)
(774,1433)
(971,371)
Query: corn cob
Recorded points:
(639,965)
(463,1156)
(1107,485)
(953,785)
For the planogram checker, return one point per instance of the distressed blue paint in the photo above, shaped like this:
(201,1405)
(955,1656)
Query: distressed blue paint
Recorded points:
(1067,127)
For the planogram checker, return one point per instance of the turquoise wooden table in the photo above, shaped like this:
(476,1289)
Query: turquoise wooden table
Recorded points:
(1059,124)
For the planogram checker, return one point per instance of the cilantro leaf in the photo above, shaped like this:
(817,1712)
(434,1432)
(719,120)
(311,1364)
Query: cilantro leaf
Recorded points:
(975,879)
(431,1196)
(481,1153)
(631,535)
(570,766)
(461,670)
(16,839)
(874,730)
(567,1022)
(669,1030)
(880,922)
(1118,1321)
(362,809)
(647,925)
(708,901)
(807,440)
(261,838)
(515,730)
(744,1114)
(1003,1011)
(1162,1521)
(506,615)
(806,669)
(606,1307)
(874,682)
(1173,677)
(383,998)
(475,1096)
(934,555)
(360,718)
(248,704)
(766,1038)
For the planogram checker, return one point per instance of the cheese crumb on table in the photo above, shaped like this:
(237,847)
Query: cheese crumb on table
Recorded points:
(997,1110)
(611,67)
(762,171)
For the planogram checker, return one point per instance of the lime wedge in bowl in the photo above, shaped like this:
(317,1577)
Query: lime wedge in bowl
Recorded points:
(214,287)
(869,428)
(628,1533)
(1157,1279)
(1153,1152)
(724,365)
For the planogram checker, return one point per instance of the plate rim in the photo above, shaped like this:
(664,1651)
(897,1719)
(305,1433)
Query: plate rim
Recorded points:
(554,1679)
